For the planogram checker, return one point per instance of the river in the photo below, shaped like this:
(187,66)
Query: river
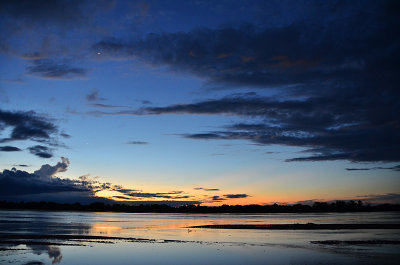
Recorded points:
(52,237)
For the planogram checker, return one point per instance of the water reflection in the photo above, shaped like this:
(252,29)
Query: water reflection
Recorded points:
(171,239)
(54,252)
(41,222)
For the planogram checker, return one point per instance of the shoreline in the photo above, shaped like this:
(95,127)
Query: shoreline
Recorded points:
(308,226)
(83,240)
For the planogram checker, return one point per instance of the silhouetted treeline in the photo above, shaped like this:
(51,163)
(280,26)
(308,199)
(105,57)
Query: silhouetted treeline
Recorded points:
(338,206)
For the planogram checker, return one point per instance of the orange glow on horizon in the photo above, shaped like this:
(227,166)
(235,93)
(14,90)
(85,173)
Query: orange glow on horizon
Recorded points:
(205,200)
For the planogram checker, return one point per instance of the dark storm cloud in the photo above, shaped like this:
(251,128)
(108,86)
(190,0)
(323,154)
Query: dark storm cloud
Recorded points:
(26,125)
(334,74)
(336,126)
(41,151)
(49,69)
(345,128)
(235,196)
(294,54)
(8,148)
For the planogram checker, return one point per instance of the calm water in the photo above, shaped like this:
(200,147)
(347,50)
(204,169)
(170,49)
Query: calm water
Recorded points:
(172,242)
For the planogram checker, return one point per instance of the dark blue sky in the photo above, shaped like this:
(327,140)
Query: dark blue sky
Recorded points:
(210,101)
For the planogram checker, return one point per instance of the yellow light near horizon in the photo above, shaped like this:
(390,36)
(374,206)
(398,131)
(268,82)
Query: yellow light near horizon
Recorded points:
(110,194)
(98,227)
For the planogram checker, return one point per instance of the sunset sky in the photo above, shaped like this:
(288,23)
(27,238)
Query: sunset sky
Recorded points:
(213,102)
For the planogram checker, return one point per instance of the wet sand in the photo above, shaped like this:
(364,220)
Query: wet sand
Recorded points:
(357,242)
(77,240)
(308,226)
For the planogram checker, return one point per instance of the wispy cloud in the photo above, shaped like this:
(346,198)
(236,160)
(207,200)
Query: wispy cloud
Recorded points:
(139,195)
(217,198)
(41,151)
(26,125)
(65,135)
(137,143)
(236,196)
(21,165)
(94,96)
(105,106)
(206,189)
(9,148)
(395,168)
(49,69)
(392,198)
(33,56)
(381,198)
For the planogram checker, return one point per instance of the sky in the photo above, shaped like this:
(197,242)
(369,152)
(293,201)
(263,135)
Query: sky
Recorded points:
(206,102)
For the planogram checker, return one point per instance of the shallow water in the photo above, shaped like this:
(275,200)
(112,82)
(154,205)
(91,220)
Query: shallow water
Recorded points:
(172,242)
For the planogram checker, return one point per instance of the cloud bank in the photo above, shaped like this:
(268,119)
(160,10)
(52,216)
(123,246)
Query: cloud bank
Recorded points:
(333,78)
(44,184)
(20,184)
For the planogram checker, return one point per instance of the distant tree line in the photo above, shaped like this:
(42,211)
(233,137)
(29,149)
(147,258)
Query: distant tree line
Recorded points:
(338,206)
